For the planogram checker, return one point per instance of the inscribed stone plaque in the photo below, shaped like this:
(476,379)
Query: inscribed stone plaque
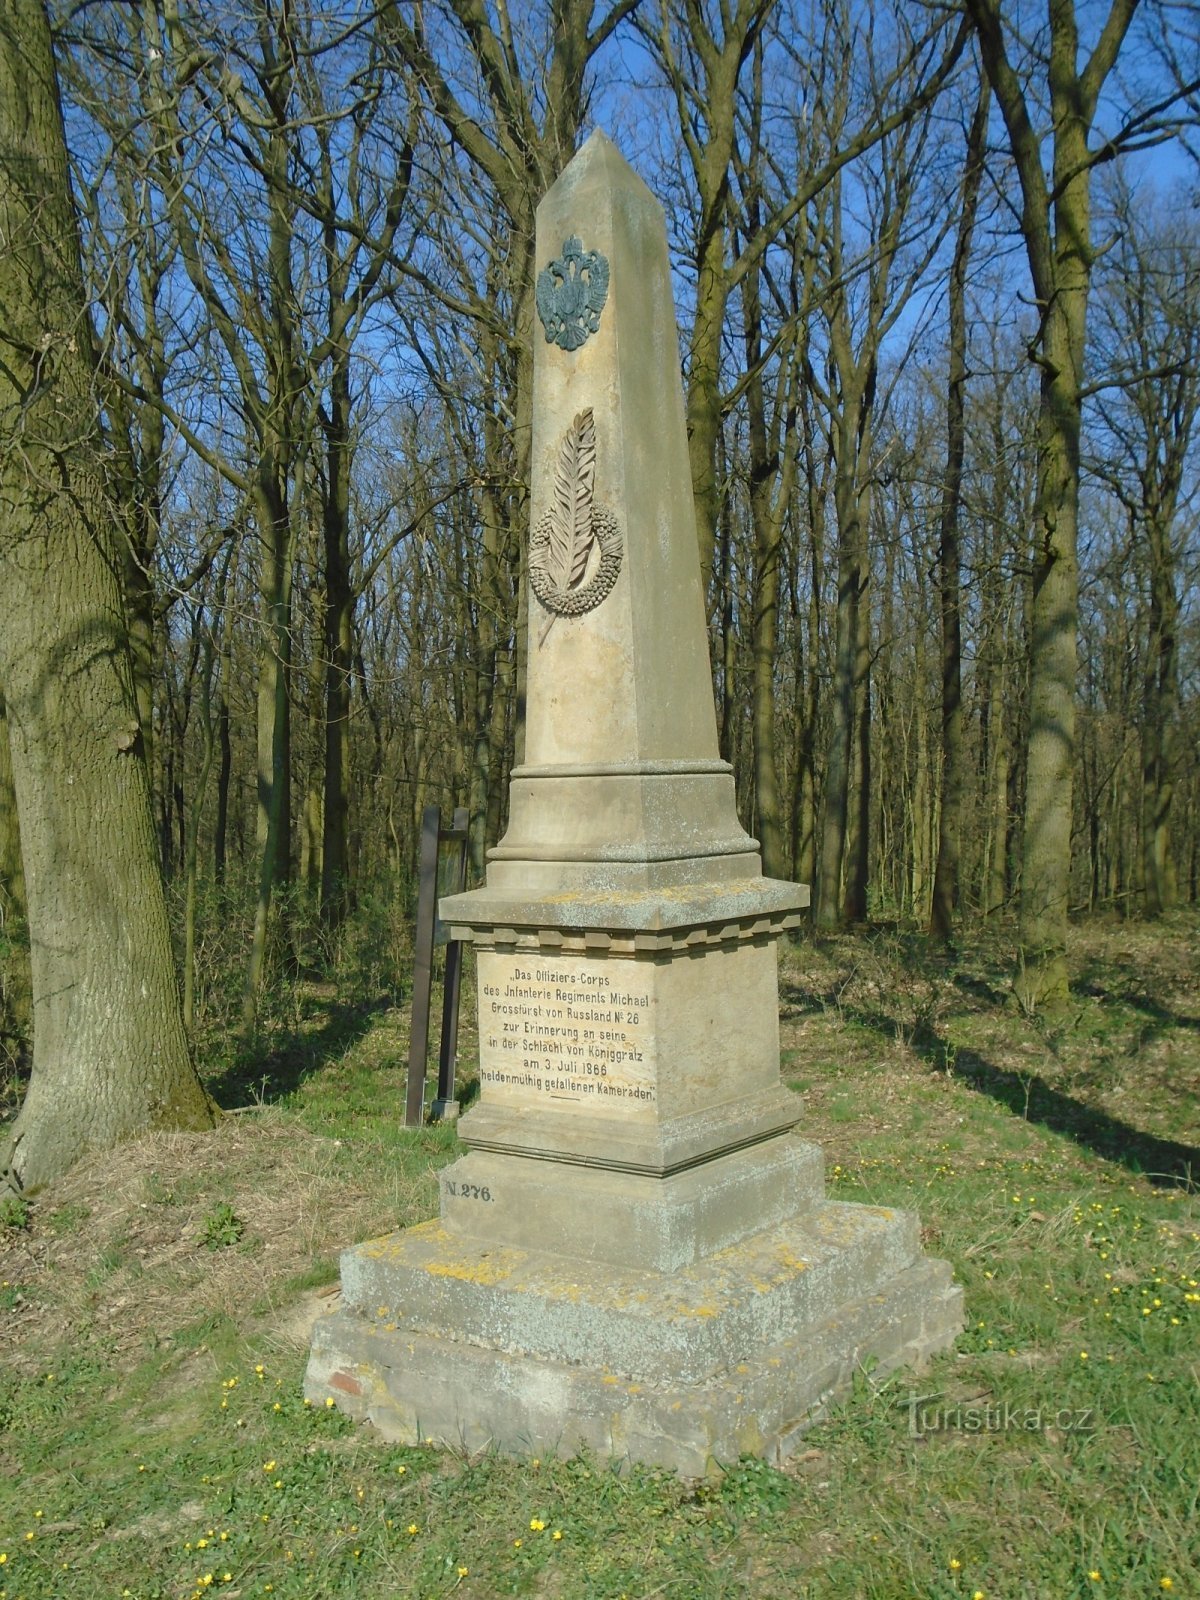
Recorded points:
(567,1029)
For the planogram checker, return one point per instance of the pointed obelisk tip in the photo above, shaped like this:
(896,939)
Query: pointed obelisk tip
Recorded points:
(597,160)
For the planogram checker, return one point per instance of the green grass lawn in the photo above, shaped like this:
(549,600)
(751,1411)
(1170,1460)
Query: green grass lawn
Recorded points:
(154,1311)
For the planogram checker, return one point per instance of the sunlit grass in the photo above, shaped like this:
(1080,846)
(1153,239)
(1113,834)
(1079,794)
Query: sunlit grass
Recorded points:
(161,1449)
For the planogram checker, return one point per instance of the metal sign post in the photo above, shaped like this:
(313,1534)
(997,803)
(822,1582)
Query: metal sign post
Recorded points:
(430,884)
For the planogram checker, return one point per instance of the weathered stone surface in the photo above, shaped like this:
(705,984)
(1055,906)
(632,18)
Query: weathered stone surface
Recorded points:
(648,1037)
(661,918)
(649,1222)
(636,1253)
(622,788)
(415,1387)
(685,1325)
(639,692)
(582,1137)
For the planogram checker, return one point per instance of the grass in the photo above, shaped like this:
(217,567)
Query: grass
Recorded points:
(154,1442)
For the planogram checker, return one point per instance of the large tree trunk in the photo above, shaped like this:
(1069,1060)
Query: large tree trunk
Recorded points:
(110,1056)
(12,873)
(1056,227)
(1050,767)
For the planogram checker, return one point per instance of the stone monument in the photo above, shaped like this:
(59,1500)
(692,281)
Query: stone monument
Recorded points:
(635,1254)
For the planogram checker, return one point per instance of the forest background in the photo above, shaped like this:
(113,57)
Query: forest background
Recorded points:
(937,279)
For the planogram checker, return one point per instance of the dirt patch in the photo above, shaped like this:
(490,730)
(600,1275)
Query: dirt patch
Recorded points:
(117,1252)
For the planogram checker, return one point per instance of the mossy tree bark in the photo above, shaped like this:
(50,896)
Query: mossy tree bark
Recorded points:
(14,971)
(110,1057)
(1056,227)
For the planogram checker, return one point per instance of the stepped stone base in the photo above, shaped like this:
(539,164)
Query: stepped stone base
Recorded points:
(476,1346)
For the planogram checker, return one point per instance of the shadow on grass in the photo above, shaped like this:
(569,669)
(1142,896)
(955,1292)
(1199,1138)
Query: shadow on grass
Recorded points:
(271,1069)
(1167,1163)
(798,999)
(1162,1015)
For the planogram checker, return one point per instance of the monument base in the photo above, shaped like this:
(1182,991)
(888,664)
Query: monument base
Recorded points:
(475,1346)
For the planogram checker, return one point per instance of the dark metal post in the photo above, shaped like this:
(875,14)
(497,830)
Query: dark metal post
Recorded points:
(418,1044)
(446,1106)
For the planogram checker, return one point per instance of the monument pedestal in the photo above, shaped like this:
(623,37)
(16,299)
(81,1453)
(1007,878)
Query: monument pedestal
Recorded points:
(478,1347)
(628,1259)
(636,1253)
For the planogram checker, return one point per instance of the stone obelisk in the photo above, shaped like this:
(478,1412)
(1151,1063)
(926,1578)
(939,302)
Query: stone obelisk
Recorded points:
(635,1253)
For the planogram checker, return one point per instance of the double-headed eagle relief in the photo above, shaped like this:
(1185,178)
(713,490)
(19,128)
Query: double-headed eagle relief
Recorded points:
(563,570)
(563,540)
(570,295)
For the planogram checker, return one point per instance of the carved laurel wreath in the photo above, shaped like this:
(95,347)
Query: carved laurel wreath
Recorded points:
(563,539)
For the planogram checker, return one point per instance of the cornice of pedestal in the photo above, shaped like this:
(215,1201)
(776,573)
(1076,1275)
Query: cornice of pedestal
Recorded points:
(650,922)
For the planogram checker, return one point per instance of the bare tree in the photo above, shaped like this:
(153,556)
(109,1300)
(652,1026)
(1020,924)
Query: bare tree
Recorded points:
(1056,228)
(1148,348)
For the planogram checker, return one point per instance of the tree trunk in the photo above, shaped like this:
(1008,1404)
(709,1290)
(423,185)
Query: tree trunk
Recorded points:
(224,777)
(1160,705)
(110,1054)
(850,688)
(339,649)
(1050,768)
(727,642)
(1056,228)
(920,825)
(15,992)
(274,733)
(804,853)
(995,866)
(949,849)
(483,775)
(835,815)
(191,850)
(858,835)
(704,381)
(772,471)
